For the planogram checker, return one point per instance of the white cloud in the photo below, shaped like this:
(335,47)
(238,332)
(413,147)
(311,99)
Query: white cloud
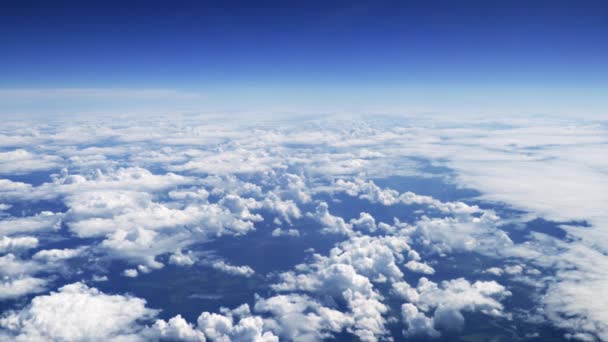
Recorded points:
(237,325)
(348,273)
(365,222)
(8,244)
(419,267)
(417,323)
(245,271)
(141,217)
(44,221)
(435,307)
(78,313)
(301,318)
(176,329)
(12,265)
(285,232)
(180,259)
(54,255)
(97,278)
(330,223)
(130,273)
(497,271)
(19,162)
(20,286)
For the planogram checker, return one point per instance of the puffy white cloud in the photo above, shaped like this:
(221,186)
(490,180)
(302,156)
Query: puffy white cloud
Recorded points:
(66,184)
(419,267)
(348,273)
(11,190)
(19,286)
(285,232)
(367,190)
(301,318)
(285,209)
(497,271)
(295,187)
(331,223)
(54,255)
(8,244)
(231,159)
(12,265)
(245,271)
(365,222)
(176,329)
(513,269)
(434,307)
(462,233)
(237,325)
(130,273)
(180,259)
(416,322)
(44,221)
(138,229)
(78,313)
(191,195)
(20,162)
(98,278)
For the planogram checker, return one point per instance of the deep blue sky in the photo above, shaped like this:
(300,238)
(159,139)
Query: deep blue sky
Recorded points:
(347,48)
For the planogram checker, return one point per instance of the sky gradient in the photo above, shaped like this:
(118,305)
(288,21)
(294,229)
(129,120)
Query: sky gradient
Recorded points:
(514,56)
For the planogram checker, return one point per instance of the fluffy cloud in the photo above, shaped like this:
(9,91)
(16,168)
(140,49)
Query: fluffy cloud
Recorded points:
(436,307)
(330,223)
(19,286)
(44,221)
(20,162)
(233,177)
(8,244)
(301,318)
(78,313)
(180,259)
(54,255)
(348,273)
(245,271)
(235,325)
(285,232)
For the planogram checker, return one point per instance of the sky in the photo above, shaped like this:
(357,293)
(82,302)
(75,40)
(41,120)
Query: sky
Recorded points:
(538,57)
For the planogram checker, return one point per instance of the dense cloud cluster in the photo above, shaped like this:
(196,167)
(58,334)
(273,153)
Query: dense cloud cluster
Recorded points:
(145,195)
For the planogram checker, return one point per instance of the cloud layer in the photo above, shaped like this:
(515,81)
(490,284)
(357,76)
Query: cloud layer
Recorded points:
(144,195)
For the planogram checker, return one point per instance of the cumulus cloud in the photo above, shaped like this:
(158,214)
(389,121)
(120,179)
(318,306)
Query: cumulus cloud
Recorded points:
(43,221)
(245,271)
(419,267)
(301,318)
(285,232)
(19,162)
(130,273)
(348,274)
(144,192)
(436,307)
(330,223)
(54,255)
(19,286)
(78,313)
(8,244)
(222,328)
(180,259)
